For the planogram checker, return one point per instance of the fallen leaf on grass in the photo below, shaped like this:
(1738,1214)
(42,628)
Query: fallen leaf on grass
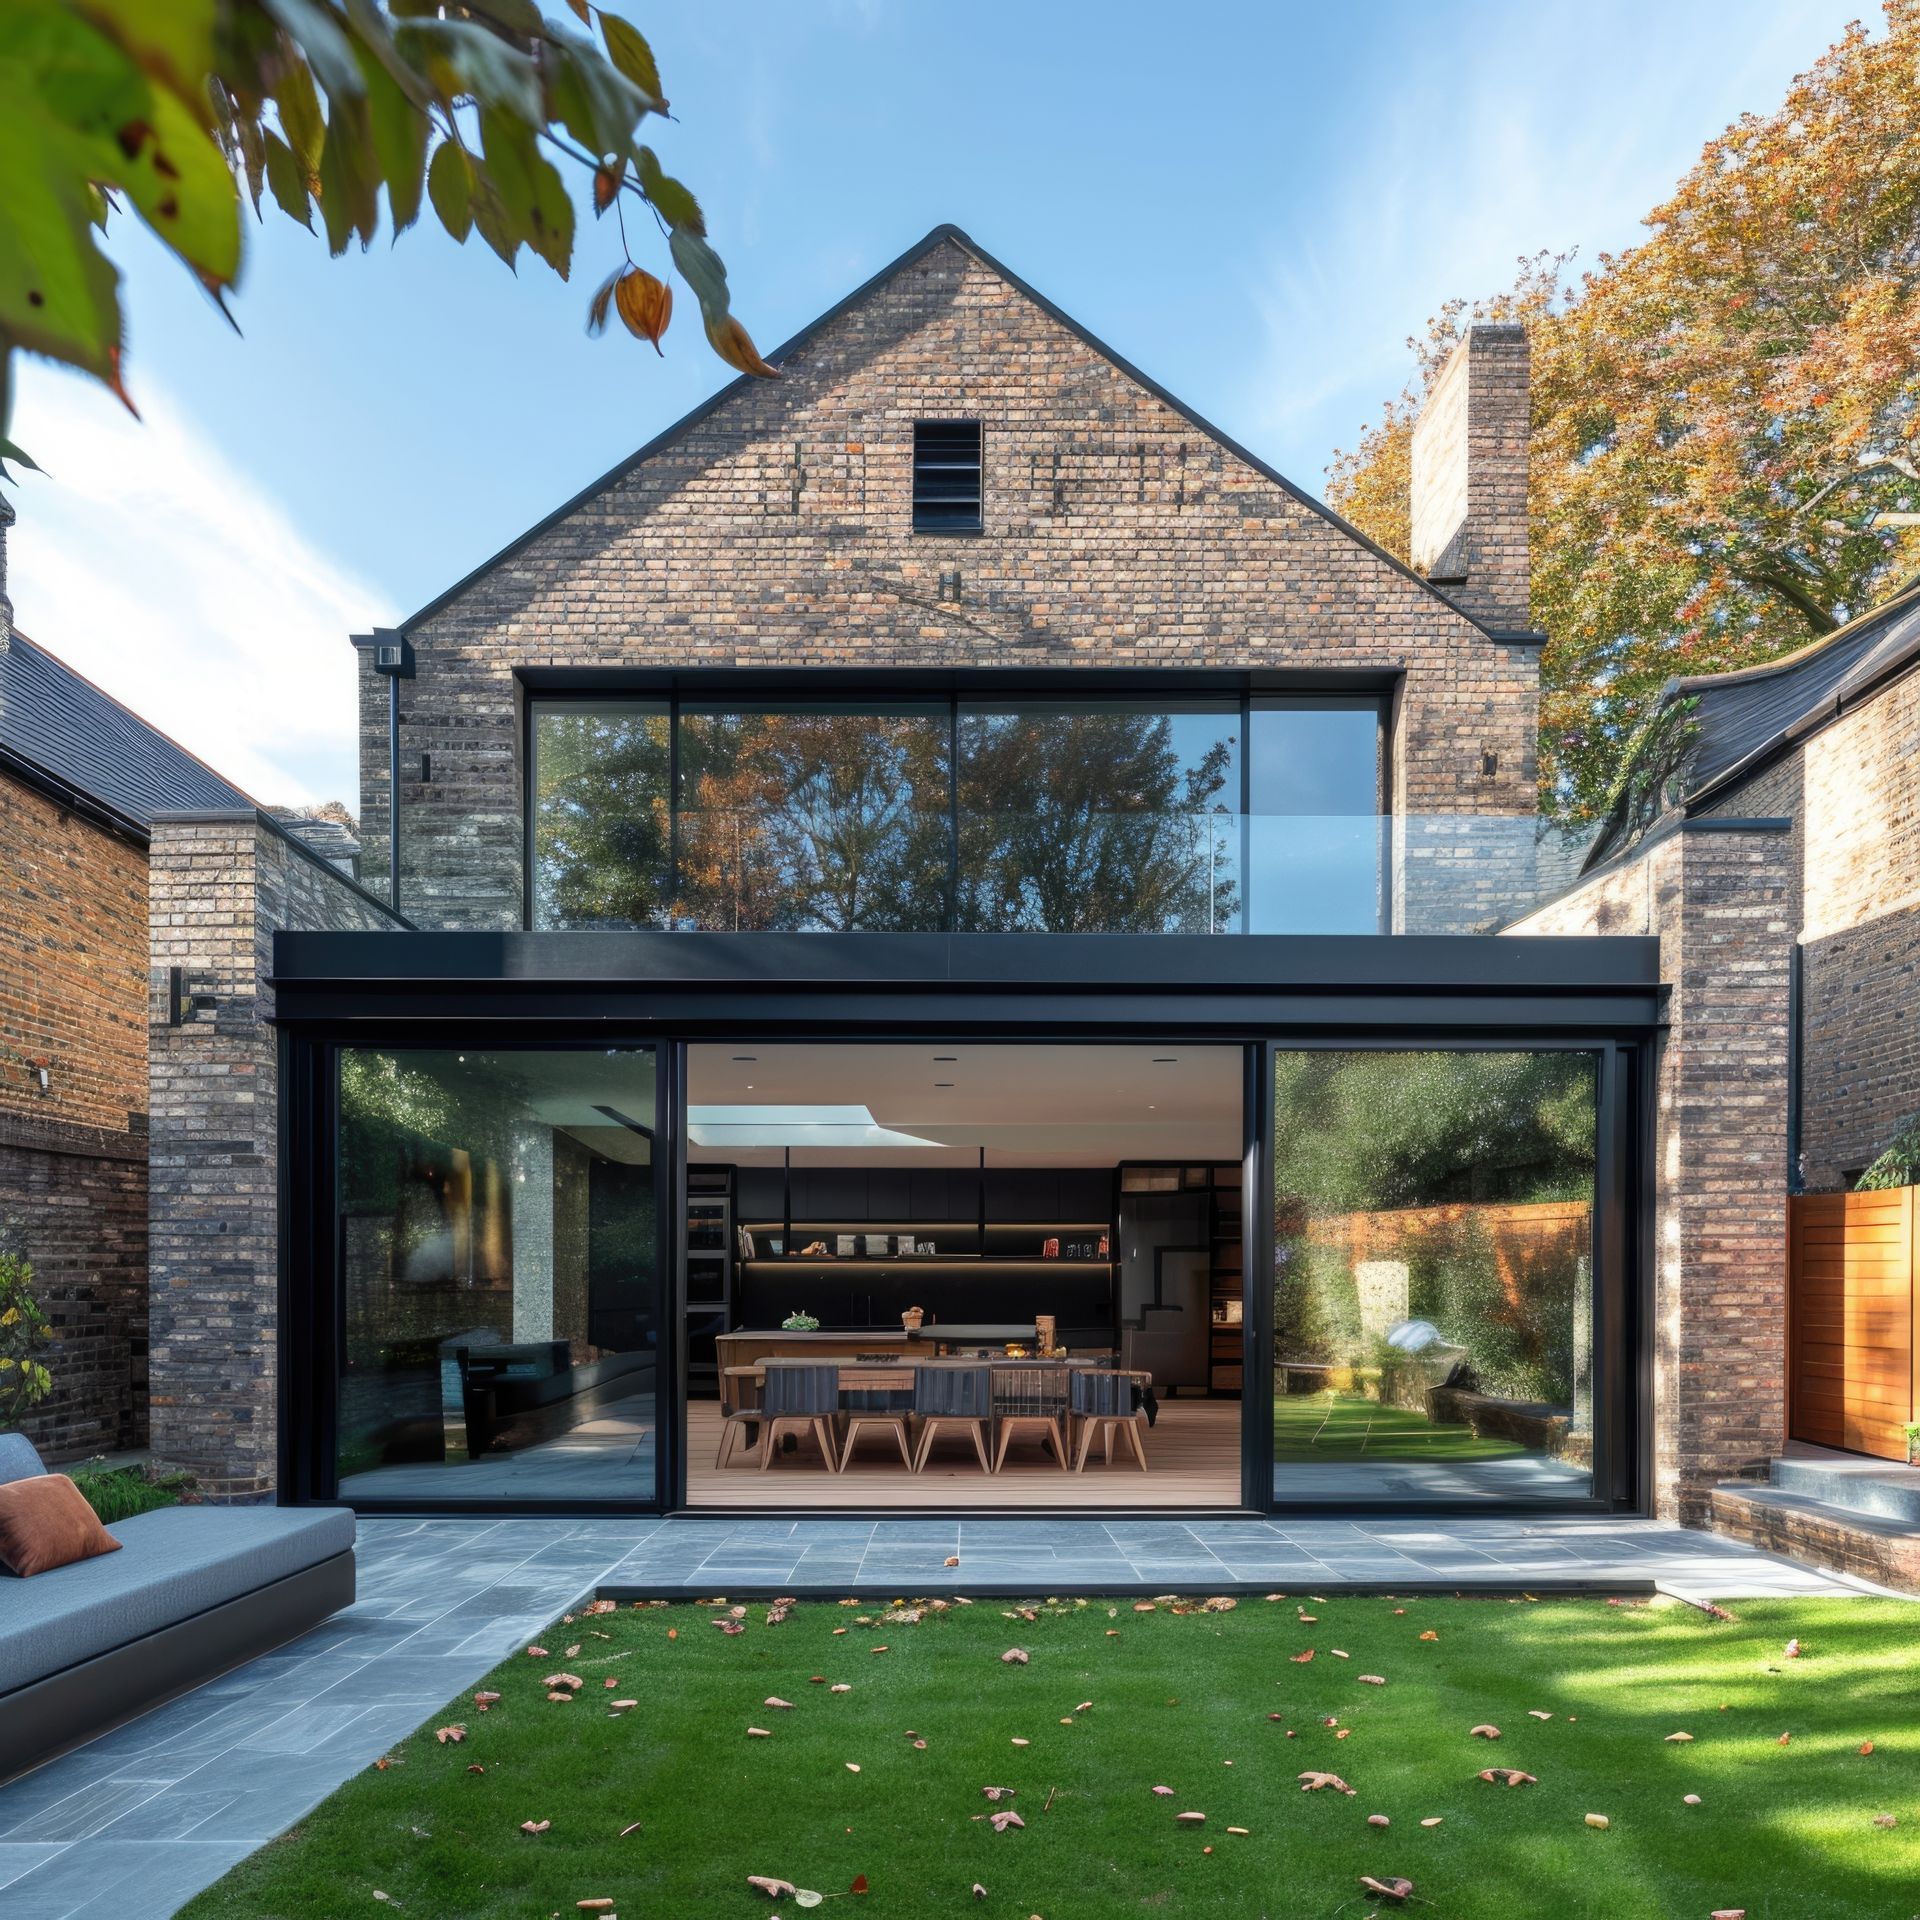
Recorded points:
(571,1681)
(1312,1783)
(1338,1655)
(535,1826)
(1003,1820)
(444,1734)
(1014,1657)
(1085,1706)
(1782,1741)
(624,1831)
(1018,1742)
(537,1653)
(1143,1606)
(1190,1819)
(485,1699)
(1373,1679)
(859,1884)
(841,1686)
(1377,1820)
(1535,1713)
(1433,1820)
(1689,1799)
(1792,1651)
(572,1652)
(1301,1659)
(387,1897)
(774,1700)
(1885,1820)
(561,1696)
(759,1733)
(1483,1732)
(1427,1633)
(1397,1888)
(1507,1777)
(979,1892)
(853,1766)
(1728,1913)
(1866,1746)
(766,1883)
(1598,1820)
(610,1682)
(598,1905)
(621,1706)
(476,1768)
(1679,1739)
(1163,1793)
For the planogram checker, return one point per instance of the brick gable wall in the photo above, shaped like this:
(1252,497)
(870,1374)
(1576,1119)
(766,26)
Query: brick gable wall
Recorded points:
(776,532)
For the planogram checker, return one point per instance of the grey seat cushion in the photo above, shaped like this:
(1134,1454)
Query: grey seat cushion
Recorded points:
(18,1461)
(171,1565)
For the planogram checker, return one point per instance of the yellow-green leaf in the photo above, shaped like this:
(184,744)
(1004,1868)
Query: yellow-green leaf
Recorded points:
(399,132)
(169,40)
(628,50)
(450,187)
(300,119)
(288,181)
(675,204)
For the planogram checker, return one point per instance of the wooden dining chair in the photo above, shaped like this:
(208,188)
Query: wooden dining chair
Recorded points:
(880,1398)
(1101,1402)
(952,1399)
(801,1400)
(1030,1400)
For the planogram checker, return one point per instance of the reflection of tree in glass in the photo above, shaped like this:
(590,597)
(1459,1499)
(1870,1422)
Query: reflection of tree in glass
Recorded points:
(1093,822)
(601,829)
(815,820)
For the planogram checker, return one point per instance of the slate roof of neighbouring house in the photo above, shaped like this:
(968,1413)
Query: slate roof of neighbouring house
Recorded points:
(60,724)
(1742,713)
(1743,720)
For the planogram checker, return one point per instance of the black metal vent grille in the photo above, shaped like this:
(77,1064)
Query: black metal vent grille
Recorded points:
(946,476)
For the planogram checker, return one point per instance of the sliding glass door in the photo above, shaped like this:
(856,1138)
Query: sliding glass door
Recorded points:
(1438,1333)
(496,1234)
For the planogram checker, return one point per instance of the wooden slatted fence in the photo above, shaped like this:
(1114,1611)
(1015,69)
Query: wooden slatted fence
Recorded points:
(1850,1351)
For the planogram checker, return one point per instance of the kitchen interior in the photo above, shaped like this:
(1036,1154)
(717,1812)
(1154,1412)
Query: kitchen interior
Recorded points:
(918,1216)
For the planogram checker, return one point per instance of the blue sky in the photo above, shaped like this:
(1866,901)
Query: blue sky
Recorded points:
(1256,203)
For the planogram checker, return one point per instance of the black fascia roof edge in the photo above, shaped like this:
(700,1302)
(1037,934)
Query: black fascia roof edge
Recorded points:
(941,234)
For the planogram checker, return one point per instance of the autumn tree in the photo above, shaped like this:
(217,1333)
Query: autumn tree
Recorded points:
(180,112)
(1726,417)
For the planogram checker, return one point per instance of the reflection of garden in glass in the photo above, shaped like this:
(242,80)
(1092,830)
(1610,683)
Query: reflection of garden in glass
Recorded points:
(601,831)
(1099,817)
(498,1255)
(1433,1265)
(823,819)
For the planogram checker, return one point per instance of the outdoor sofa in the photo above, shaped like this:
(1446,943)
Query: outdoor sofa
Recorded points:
(191,1592)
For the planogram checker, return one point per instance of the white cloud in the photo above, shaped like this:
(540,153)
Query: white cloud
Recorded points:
(150,563)
(1547,138)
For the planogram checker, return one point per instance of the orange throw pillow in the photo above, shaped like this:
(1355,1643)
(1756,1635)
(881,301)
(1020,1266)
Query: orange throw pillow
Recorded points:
(45,1522)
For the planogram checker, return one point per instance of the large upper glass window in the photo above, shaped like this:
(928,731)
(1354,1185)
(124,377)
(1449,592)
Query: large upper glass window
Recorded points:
(815,818)
(601,828)
(1096,816)
(1316,840)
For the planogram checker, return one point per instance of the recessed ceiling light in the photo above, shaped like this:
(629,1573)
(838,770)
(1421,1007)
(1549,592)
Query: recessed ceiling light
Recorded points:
(746,1056)
(947,1057)
(943,1083)
(1165,1060)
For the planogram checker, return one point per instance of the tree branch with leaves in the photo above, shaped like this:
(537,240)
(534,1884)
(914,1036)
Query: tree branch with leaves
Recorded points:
(181,113)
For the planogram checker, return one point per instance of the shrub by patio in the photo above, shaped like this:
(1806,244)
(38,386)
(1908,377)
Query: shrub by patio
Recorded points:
(655,1759)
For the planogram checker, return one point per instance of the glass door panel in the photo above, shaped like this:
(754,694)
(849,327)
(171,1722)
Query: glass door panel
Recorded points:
(500,1276)
(1433,1297)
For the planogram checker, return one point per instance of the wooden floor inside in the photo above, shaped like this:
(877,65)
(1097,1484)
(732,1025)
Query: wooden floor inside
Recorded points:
(1193,1460)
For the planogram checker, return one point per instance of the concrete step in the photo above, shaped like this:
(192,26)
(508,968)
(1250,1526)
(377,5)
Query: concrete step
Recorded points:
(1879,1488)
(1839,1539)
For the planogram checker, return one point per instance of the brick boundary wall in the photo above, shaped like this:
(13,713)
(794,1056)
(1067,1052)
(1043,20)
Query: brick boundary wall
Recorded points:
(220,886)
(1719,896)
(73,1183)
(73,1200)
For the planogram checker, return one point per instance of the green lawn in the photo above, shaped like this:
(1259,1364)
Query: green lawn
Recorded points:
(1183,1701)
(1347,1426)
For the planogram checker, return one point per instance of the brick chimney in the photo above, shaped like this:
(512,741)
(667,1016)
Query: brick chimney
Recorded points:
(1469,488)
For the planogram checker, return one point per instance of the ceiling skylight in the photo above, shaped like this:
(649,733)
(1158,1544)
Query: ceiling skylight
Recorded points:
(793,1126)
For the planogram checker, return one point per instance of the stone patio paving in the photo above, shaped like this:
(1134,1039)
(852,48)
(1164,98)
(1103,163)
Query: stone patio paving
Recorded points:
(132,1825)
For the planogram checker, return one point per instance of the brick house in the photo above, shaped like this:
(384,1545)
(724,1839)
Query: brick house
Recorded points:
(80,780)
(961,715)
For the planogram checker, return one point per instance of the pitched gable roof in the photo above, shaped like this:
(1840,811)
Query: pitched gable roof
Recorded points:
(945,234)
(57,724)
